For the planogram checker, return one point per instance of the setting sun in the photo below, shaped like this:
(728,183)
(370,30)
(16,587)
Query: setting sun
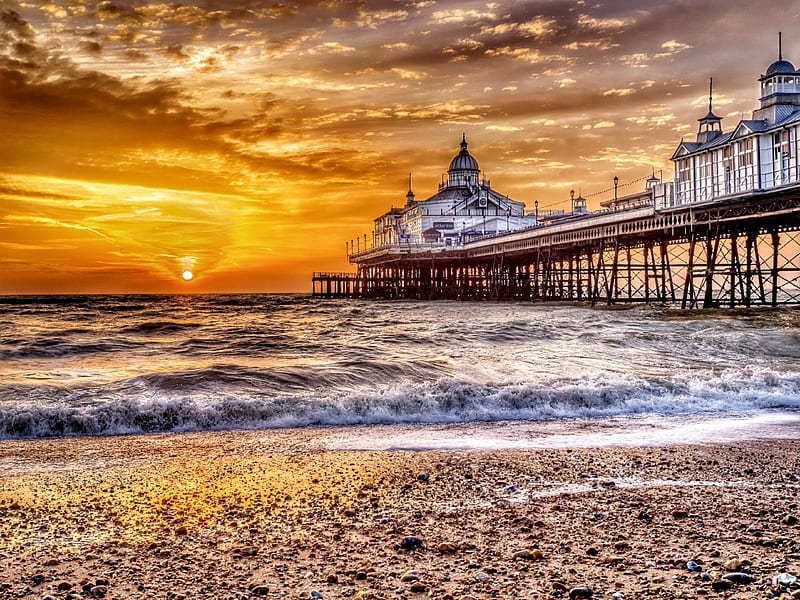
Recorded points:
(187,275)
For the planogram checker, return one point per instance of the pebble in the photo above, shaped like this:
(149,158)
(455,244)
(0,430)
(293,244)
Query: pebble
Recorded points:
(785,579)
(733,564)
(738,577)
(621,545)
(315,594)
(692,566)
(789,520)
(721,585)
(679,513)
(98,591)
(535,554)
(418,587)
(410,576)
(424,476)
(182,530)
(37,579)
(583,593)
(447,547)
(259,590)
(411,543)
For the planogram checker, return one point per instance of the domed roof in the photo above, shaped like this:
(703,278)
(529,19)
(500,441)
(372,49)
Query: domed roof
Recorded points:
(780,66)
(463,161)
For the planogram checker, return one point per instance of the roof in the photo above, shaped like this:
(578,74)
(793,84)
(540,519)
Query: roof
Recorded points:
(710,117)
(463,161)
(779,67)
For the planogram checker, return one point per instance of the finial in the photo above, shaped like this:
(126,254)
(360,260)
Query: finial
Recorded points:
(780,45)
(463,142)
(710,92)
(409,182)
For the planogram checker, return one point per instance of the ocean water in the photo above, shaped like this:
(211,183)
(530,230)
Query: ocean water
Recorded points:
(105,365)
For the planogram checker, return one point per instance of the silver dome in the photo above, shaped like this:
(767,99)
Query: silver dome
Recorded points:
(463,161)
(780,66)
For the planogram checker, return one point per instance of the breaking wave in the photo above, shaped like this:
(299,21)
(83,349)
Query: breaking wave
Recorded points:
(163,404)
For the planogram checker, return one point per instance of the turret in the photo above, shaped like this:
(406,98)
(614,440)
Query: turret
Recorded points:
(410,195)
(780,90)
(710,125)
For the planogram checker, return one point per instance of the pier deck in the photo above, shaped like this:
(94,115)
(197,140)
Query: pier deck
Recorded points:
(738,251)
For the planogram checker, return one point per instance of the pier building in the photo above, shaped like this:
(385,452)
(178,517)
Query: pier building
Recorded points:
(465,207)
(723,231)
(757,153)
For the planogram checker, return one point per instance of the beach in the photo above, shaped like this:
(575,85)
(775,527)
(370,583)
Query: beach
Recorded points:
(296,514)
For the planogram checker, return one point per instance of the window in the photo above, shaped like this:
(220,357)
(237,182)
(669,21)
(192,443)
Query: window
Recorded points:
(745,151)
(781,153)
(728,168)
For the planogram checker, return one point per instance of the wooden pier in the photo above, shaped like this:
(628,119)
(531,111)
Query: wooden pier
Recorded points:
(737,251)
(336,285)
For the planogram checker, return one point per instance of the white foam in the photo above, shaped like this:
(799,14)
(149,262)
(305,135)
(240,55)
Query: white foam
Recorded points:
(594,433)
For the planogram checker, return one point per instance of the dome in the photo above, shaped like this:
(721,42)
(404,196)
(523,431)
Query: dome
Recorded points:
(463,160)
(780,66)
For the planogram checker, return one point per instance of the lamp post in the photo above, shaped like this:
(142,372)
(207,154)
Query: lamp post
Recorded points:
(616,183)
(536,210)
(572,200)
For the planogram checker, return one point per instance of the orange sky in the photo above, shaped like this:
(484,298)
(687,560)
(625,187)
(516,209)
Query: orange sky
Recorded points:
(247,141)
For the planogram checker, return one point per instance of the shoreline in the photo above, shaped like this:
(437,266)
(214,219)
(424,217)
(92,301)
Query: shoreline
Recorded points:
(273,514)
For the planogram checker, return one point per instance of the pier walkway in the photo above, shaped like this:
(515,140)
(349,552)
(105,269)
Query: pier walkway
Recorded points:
(740,250)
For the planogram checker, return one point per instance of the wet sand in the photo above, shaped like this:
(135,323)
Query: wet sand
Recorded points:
(280,515)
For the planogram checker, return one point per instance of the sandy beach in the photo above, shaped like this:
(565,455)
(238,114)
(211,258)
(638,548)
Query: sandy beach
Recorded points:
(277,514)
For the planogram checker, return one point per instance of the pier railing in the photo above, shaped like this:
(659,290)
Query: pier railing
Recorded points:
(732,251)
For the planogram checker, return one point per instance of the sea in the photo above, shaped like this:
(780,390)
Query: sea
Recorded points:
(532,374)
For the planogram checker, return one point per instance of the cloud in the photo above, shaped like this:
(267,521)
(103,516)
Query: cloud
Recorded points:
(15,25)
(91,47)
(460,15)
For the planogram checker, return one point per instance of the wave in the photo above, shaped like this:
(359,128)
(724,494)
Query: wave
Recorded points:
(161,327)
(60,347)
(158,405)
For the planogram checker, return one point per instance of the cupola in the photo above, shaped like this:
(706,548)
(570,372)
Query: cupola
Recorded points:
(780,87)
(464,170)
(410,195)
(710,125)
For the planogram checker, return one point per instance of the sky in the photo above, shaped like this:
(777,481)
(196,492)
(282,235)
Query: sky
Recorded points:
(247,141)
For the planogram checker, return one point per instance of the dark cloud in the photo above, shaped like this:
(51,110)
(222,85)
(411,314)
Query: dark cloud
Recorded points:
(12,22)
(176,51)
(108,10)
(92,47)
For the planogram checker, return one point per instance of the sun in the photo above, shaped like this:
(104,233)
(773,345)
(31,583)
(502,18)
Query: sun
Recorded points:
(187,275)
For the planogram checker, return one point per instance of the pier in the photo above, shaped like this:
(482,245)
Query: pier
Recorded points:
(723,232)
(741,251)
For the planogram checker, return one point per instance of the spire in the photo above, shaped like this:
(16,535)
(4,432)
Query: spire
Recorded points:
(710,125)
(710,93)
(780,45)
(410,195)
(464,142)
